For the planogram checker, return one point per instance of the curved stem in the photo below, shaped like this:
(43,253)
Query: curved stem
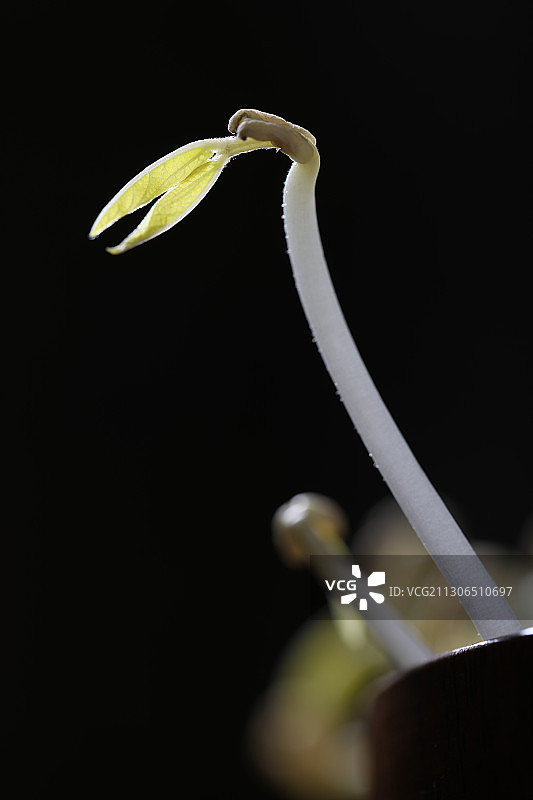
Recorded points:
(421,504)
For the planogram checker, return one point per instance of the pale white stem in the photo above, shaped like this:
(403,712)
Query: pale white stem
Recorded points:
(421,504)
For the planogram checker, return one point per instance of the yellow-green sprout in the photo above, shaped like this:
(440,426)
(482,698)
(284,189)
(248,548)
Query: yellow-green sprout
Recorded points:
(185,176)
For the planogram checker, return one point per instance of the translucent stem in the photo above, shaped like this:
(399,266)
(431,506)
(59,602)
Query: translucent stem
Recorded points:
(414,493)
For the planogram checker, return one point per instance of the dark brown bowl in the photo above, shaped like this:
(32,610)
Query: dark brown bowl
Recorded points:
(458,727)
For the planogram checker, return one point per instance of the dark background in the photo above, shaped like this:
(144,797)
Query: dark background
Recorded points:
(167,401)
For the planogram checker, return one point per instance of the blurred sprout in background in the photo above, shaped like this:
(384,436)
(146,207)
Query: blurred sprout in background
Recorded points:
(308,735)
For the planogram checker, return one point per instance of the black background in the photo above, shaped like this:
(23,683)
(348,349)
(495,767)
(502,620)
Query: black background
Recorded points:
(169,400)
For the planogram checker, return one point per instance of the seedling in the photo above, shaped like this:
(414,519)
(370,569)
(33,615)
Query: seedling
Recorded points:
(183,178)
(311,524)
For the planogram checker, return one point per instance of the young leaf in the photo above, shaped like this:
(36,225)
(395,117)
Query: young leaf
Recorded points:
(173,206)
(166,173)
(184,177)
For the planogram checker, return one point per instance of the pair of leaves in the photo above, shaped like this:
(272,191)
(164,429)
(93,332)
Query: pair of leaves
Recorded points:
(183,177)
